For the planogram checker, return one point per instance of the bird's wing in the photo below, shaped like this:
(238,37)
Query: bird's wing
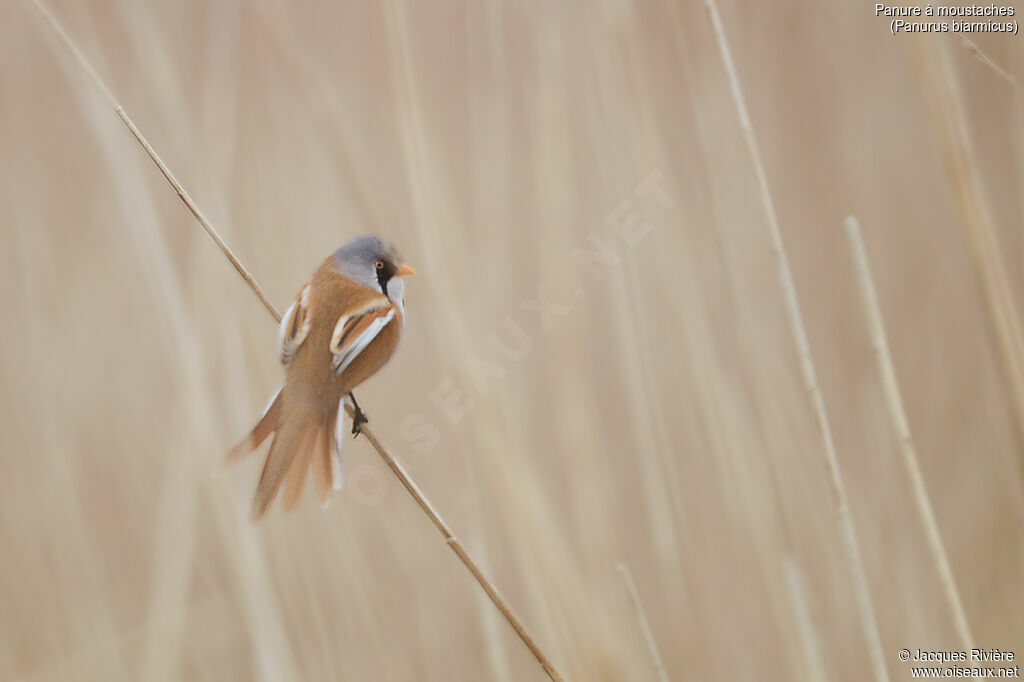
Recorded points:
(355,331)
(295,326)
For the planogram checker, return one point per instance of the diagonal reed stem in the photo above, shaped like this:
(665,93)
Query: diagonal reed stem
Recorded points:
(457,547)
(880,344)
(186,198)
(403,476)
(977,53)
(854,561)
(197,212)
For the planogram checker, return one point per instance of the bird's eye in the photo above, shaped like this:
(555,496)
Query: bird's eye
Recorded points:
(378,264)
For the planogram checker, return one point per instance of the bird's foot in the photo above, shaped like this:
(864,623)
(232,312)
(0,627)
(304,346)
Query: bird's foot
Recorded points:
(358,417)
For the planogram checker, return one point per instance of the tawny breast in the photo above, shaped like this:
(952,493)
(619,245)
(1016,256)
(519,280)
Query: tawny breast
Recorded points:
(310,382)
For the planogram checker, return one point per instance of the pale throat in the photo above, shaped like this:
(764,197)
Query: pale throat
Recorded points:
(396,294)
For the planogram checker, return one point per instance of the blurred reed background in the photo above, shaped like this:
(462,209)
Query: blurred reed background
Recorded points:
(656,418)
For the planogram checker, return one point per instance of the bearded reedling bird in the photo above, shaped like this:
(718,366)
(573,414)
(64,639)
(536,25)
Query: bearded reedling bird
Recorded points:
(343,326)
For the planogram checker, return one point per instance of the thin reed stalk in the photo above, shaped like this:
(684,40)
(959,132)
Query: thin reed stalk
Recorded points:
(460,551)
(804,623)
(977,53)
(976,221)
(403,476)
(854,562)
(164,170)
(195,210)
(645,626)
(880,344)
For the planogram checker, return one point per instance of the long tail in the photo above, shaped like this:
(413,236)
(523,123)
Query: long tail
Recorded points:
(298,444)
(267,424)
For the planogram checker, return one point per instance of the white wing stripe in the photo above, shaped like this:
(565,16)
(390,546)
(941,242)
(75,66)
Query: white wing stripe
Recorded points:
(272,399)
(337,436)
(345,358)
(283,330)
(291,337)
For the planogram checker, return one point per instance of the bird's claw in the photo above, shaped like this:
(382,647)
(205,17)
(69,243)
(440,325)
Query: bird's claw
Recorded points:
(358,419)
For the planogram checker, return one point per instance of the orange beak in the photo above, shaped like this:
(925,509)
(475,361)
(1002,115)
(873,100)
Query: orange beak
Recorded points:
(404,270)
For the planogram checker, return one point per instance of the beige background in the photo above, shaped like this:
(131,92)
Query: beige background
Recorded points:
(661,421)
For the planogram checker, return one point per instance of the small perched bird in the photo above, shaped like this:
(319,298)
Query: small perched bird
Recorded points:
(343,326)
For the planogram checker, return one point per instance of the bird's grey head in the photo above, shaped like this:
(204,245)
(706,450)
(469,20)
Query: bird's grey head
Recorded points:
(374,263)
